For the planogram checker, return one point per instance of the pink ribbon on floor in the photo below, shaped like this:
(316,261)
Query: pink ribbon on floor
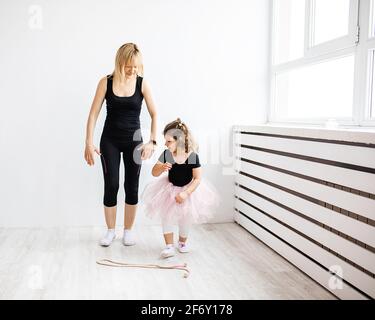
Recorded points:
(112,263)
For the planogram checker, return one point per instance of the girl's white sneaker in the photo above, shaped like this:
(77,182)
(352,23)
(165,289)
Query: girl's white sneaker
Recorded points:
(168,251)
(183,248)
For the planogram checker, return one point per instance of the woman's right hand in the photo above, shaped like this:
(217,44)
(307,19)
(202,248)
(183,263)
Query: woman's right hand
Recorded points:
(89,154)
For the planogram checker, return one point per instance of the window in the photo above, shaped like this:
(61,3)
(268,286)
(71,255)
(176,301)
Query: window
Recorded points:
(289,35)
(330,19)
(372,85)
(323,89)
(322,67)
(371,61)
(372,20)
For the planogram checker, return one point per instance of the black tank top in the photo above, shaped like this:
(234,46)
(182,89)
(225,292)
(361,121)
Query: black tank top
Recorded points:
(122,112)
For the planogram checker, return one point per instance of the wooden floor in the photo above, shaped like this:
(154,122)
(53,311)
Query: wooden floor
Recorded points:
(226,262)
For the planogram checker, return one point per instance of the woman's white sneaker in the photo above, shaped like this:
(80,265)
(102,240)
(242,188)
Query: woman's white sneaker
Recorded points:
(128,239)
(169,251)
(108,238)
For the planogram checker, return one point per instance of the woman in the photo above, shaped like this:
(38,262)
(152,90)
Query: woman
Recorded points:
(124,91)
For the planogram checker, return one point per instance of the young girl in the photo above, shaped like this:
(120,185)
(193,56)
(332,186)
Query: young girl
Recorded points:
(181,198)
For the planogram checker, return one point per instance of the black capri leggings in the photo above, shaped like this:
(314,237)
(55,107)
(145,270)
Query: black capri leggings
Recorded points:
(110,150)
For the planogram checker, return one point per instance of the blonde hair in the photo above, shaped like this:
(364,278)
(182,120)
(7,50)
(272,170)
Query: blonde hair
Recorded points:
(181,133)
(125,54)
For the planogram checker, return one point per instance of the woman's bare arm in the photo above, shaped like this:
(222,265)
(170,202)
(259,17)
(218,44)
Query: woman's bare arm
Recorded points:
(146,91)
(95,109)
(91,121)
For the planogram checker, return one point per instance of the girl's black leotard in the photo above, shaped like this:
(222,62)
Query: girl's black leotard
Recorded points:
(181,173)
(121,133)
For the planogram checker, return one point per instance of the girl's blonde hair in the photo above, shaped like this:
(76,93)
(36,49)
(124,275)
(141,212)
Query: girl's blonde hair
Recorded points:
(125,54)
(181,133)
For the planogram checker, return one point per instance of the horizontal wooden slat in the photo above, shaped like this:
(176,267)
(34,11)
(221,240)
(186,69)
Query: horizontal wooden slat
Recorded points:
(352,135)
(348,201)
(360,156)
(353,228)
(345,248)
(312,269)
(347,177)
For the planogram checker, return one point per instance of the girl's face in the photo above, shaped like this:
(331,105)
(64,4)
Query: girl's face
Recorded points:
(131,68)
(170,143)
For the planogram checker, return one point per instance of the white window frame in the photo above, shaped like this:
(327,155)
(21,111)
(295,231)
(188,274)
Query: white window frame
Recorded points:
(347,41)
(365,70)
(355,43)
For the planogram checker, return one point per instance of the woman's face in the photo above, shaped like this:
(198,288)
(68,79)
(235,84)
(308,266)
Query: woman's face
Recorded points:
(131,68)
(170,143)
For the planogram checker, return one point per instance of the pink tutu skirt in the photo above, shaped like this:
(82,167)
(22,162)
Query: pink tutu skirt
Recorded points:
(158,201)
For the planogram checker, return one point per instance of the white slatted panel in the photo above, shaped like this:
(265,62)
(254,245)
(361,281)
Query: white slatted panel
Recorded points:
(338,175)
(312,269)
(329,239)
(295,228)
(338,221)
(348,201)
(328,151)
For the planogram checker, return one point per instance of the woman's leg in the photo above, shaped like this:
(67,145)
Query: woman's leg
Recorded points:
(130,211)
(132,164)
(110,158)
(129,217)
(110,216)
(110,219)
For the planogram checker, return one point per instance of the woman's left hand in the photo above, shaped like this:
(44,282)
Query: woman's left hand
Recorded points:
(147,150)
(181,197)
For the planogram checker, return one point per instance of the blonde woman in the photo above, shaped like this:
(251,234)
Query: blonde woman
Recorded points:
(182,197)
(124,91)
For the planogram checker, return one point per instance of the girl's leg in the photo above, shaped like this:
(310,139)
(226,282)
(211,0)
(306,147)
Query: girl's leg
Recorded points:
(184,229)
(168,233)
(169,250)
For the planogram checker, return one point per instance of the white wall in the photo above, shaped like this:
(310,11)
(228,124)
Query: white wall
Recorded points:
(206,62)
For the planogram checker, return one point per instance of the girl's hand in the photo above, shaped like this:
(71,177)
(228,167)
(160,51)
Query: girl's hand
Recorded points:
(166,166)
(181,197)
(90,153)
(147,150)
